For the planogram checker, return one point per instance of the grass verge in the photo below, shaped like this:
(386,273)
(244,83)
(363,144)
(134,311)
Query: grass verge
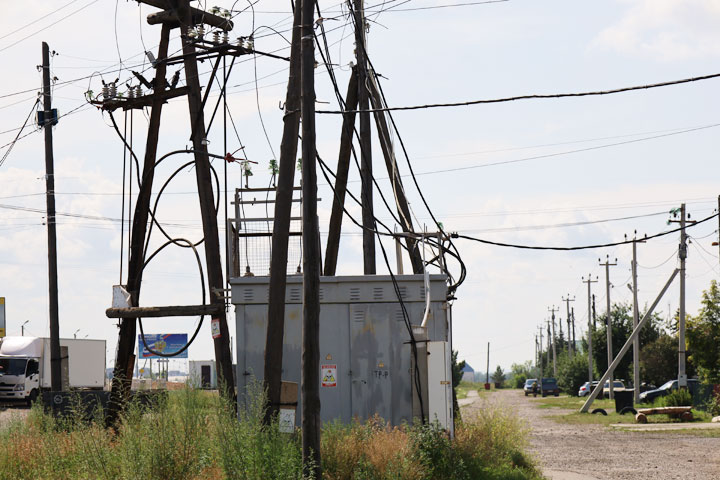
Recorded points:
(190,434)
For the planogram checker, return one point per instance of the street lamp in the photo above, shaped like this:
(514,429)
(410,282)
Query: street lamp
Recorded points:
(75,334)
(22,328)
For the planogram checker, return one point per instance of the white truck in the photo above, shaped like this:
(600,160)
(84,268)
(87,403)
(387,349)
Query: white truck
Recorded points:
(25,366)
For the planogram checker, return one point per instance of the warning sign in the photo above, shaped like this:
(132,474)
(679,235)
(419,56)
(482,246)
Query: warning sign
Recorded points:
(215,327)
(329,375)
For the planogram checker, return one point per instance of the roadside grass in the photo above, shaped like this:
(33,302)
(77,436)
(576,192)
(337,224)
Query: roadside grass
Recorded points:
(190,434)
(464,387)
(575,417)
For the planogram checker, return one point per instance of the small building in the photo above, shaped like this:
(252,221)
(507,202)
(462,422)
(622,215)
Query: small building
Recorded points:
(468,374)
(203,374)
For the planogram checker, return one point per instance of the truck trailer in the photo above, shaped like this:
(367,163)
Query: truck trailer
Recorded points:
(25,366)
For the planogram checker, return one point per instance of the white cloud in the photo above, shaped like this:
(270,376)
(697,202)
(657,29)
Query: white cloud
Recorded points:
(665,30)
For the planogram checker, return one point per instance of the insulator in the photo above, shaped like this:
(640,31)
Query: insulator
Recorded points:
(113,90)
(250,44)
(241,42)
(131,93)
(225,37)
(106,92)
(216,37)
(138,91)
(201,31)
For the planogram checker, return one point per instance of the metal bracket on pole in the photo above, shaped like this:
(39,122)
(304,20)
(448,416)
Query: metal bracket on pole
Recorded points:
(596,391)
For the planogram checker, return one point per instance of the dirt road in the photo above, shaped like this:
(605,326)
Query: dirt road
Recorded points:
(574,452)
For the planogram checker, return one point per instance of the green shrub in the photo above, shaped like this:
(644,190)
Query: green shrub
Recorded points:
(572,372)
(677,398)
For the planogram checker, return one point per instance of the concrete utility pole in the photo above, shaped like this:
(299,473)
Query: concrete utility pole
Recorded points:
(550,339)
(48,122)
(487,371)
(591,326)
(608,327)
(567,308)
(311,258)
(366,197)
(682,253)
(540,332)
(554,352)
(574,340)
(636,319)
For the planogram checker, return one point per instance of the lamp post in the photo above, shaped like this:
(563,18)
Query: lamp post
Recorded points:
(22,328)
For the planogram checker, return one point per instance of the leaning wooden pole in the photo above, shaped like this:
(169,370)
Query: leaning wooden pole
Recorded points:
(394,174)
(207,203)
(124,358)
(341,176)
(281,229)
(311,258)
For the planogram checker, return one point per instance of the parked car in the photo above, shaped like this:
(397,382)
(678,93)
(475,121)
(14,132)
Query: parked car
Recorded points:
(587,388)
(618,386)
(666,388)
(549,386)
(528,385)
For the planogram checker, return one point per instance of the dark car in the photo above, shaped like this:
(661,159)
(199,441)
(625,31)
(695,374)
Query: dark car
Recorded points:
(549,386)
(528,385)
(666,388)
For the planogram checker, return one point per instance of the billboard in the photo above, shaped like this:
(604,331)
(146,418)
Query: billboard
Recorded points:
(163,343)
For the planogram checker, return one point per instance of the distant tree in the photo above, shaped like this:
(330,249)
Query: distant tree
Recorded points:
(519,372)
(658,360)
(572,372)
(703,336)
(498,377)
(622,327)
(457,373)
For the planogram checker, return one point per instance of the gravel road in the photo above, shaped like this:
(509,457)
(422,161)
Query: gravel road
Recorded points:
(575,452)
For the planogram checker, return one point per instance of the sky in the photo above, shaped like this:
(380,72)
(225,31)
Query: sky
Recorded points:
(542,172)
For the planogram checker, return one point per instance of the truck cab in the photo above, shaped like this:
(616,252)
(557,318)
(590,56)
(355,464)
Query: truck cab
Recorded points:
(19,378)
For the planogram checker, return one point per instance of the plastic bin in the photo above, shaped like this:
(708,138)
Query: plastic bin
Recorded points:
(623,399)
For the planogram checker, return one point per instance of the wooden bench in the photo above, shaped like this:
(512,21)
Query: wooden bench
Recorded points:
(684,413)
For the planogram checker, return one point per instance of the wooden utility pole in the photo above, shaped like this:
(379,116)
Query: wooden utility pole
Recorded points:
(608,326)
(554,352)
(341,175)
(487,371)
(205,193)
(178,15)
(572,314)
(403,208)
(567,308)
(366,175)
(311,258)
(281,228)
(48,122)
(591,326)
(125,357)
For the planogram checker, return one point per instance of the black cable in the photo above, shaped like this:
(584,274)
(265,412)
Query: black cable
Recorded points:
(18,137)
(584,247)
(532,96)
(202,317)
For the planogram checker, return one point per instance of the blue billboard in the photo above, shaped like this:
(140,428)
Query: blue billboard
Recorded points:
(164,343)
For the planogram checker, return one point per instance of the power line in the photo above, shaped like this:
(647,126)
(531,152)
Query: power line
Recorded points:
(48,26)
(567,152)
(584,247)
(533,96)
(37,20)
(17,137)
(433,7)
